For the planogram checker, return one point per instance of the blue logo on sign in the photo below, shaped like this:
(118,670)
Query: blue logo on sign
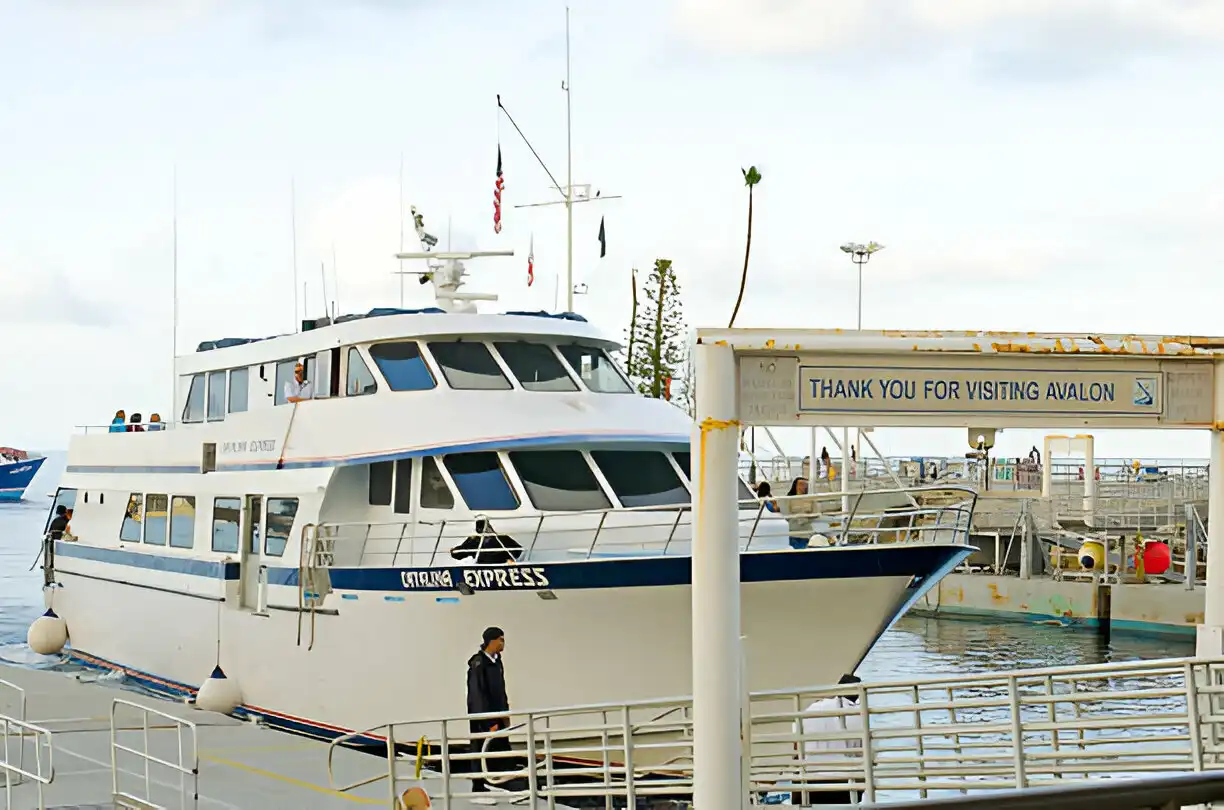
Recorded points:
(1145,391)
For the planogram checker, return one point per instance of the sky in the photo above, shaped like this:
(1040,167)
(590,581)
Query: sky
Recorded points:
(1029,165)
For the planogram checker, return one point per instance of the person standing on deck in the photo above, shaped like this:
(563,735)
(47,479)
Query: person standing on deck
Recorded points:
(486,692)
(299,389)
(829,751)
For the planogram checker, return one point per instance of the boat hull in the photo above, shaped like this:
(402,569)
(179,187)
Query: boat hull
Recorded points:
(375,655)
(16,478)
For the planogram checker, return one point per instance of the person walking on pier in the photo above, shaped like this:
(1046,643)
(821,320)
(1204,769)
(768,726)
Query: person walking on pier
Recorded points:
(486,693)
(828,751)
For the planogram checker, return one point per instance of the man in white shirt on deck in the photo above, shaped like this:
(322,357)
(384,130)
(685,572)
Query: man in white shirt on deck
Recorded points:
(299,388)
(822,751)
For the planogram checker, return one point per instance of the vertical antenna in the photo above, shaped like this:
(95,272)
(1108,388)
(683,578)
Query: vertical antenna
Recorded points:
(293,220)
(174,294)
(323,276)
(569,178)
(335,282)
(401,209)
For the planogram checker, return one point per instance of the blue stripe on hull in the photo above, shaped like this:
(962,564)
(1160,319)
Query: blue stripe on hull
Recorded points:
(926,562)
(15,478)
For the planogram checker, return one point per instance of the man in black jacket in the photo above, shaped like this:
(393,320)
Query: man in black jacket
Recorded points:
(486,692)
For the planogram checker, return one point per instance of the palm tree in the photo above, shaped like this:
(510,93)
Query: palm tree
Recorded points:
(751,178)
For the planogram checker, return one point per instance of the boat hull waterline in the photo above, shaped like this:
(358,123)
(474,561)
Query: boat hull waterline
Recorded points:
(610,631)
(15,478)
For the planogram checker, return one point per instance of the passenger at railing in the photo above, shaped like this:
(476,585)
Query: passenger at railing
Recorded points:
(155,423)
(798,511)
(134,425)
(488,547)
(826,464)
(119,423)
(1035,455)
(818,752)
(765,493)
(299,389)
(486,693)
(59,523)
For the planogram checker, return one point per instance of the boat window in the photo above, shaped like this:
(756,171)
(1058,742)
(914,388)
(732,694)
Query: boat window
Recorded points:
(535,366)
(182,521)
(685,461)
(469,366)
(63,497)
(194,410)
(360,381)
(155,520)
(216,396)
(435,494)
(403,486)
(481,481)
(403,367)
(559,480)
(133,519)
(641,477)
(380,482)
(226,512)
(595,368)
(284,375)
(281,512)
(239,381)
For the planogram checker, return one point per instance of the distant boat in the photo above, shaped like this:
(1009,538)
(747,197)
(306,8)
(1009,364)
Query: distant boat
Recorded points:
(17,470)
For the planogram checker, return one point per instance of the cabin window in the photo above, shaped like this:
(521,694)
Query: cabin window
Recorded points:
(596,369)
(156,519)
(403,486)
(284,375)
(360,381)
(381,474)
(281,512)
(226,514)
(559,480)
(435,493)
(63,497)
(481,481)
(239,389)
(133,519)
(641,477)
(536,366)
(685,461)
(216,396)
(469,366)
(194,411)
(182,521)
(402,366)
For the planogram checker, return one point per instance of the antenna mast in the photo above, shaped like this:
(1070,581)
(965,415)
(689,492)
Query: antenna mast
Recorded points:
(445,269)
(174,295)
(401,202)
(293,222)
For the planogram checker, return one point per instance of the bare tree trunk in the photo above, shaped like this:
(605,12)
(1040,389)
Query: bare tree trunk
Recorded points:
(744,276)
(656,385)
(632,324)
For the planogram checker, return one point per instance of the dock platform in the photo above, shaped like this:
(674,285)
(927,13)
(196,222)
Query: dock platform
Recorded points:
(241,766)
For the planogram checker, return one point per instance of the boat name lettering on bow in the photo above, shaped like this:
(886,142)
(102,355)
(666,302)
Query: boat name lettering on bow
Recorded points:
(251,446)
(491,578)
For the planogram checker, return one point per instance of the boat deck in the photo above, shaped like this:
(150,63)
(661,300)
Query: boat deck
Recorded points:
(240,765)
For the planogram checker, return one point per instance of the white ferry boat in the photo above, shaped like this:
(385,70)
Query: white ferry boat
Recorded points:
(305,551)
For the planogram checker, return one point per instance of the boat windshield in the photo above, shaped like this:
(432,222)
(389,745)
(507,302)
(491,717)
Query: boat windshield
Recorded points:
(535,365)
(596,369)
(641,477)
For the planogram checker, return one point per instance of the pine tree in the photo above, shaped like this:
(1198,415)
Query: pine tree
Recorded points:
(657,333)
(687,396)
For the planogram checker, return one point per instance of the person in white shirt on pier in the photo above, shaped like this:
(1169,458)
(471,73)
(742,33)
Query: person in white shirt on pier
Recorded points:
(299,389)
(824,752)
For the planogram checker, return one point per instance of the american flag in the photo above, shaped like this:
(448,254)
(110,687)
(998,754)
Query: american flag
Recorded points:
(531,262)
(498,185)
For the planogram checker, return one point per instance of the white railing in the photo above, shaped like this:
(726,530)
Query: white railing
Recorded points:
(90,430)
(892,741)
(185,764)
(930,514)
(17,735)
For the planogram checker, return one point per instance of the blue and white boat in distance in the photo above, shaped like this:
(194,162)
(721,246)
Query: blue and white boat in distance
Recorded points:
(17,470)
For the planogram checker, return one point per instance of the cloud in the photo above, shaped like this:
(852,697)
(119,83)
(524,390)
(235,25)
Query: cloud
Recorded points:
(1004,34)
(50,298)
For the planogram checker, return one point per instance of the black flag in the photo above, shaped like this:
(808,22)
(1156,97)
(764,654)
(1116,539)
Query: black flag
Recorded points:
(603,240)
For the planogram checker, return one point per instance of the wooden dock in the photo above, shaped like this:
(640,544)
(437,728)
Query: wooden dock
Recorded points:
(240,765)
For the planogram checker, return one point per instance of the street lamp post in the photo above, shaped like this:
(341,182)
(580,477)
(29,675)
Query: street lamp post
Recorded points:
(860,254)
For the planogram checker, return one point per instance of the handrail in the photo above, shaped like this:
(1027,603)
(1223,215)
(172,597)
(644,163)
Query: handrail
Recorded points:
(187,767)
(11,727)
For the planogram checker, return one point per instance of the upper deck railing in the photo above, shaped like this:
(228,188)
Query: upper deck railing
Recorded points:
(915,515)
(910,739)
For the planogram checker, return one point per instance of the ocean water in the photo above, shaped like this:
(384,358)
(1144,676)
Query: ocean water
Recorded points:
(927,646)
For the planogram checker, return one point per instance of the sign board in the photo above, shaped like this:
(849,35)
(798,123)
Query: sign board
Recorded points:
(978,391)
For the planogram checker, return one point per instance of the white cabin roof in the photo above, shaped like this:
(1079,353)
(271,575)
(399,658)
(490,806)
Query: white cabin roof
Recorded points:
(407,326)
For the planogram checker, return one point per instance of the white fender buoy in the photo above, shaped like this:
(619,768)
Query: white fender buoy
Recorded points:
(48,634)
(219,693)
